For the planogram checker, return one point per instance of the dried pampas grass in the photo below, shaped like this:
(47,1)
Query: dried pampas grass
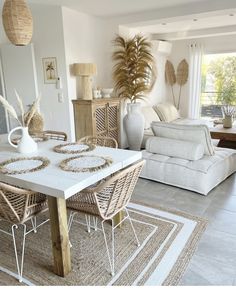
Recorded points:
(21,106)
(9,108)
(32,110)
(25,120)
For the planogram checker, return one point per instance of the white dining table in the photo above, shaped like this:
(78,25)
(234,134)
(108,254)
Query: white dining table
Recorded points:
(60,185)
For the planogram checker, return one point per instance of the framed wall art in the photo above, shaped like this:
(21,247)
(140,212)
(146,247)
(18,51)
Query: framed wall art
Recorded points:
(50,70)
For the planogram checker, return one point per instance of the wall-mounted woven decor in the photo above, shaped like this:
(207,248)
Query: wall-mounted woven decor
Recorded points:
(17,22)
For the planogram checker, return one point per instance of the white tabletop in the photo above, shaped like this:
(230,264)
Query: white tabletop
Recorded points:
(55,182)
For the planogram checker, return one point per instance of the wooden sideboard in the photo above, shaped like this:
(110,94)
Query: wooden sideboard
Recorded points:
(97,117)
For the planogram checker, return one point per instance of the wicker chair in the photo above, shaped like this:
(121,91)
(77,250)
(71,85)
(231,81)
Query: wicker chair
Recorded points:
(17,206)
(106,200)
(57,135)
(104,141)
(101,141)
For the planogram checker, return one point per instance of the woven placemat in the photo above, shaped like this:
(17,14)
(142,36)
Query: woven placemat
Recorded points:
(74,148)
(16,166)
(90,163)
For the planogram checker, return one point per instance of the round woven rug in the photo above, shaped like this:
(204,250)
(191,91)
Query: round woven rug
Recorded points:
(168,240)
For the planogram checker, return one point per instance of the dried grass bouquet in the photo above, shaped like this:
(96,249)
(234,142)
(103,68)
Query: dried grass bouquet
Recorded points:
(228,111)
(25,117)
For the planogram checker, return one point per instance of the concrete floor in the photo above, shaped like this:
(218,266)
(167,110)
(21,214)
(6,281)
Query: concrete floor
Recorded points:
(214,262)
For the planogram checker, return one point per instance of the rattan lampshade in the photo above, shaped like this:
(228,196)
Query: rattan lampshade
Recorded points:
(17,22)
(85,69)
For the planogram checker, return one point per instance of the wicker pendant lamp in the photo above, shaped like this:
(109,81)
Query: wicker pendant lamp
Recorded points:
(17,22)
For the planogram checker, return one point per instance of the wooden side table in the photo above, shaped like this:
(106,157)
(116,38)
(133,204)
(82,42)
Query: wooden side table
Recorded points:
(227,136)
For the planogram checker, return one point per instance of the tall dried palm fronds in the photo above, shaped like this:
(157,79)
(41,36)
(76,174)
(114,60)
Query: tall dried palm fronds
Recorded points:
(134,69)
(170,77)
(182,77)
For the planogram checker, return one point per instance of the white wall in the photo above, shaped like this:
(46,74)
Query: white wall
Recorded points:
(48,41)
(84,43)
(71,37)
(159,91)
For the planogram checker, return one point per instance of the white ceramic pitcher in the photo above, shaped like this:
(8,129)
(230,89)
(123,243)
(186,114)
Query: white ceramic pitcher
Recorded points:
(26,145)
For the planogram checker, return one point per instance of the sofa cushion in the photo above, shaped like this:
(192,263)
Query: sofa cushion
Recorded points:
(167,112)
(200,176)
(175,148)
(193,121)
(194,133)
(149,115)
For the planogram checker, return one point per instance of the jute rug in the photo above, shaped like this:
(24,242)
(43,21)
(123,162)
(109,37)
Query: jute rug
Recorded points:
(168,240)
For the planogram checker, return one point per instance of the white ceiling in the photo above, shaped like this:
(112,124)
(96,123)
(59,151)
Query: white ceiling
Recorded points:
(193,23)
(113,8)
(109,8)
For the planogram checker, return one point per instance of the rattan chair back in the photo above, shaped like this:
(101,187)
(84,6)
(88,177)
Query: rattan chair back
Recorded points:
(57,135)
(109,197)
(104,141)
(19,205)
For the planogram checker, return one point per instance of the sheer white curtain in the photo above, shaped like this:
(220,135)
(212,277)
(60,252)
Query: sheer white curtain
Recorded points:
(196,54)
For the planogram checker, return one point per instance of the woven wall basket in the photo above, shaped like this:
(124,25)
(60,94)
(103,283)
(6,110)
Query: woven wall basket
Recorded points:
(17,22)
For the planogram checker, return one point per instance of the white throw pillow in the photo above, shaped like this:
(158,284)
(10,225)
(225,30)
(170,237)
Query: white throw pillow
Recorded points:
(149,115)
(194,133)
(175,148)
(167,112)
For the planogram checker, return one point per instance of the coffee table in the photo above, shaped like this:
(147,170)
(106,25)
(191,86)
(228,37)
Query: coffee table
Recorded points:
(227,136)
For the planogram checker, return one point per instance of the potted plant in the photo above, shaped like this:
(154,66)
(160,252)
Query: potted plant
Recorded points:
(134,76)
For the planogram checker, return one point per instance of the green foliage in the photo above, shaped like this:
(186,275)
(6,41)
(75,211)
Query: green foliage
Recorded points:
(224,71)
(133,72)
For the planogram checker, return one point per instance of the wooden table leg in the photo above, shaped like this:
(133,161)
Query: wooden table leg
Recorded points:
(59,236)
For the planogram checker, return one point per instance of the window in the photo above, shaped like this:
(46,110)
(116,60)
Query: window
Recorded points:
(218,84)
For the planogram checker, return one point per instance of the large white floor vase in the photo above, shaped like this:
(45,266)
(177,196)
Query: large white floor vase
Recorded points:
(134,125)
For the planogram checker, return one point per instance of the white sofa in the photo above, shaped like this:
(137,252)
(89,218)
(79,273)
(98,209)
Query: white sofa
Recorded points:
(171,159)
(163,112)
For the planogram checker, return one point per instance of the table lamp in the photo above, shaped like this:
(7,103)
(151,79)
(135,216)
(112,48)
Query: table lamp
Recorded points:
(85,71)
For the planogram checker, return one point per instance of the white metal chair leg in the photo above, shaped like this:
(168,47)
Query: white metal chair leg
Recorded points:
(113,247)
(111,259)
(20,264)
(70,221)
(88,223)
(95,223)
(34,224)
(131,223)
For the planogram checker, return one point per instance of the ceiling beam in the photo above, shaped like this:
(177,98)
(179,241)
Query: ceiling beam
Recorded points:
(155,16)
(200,33)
